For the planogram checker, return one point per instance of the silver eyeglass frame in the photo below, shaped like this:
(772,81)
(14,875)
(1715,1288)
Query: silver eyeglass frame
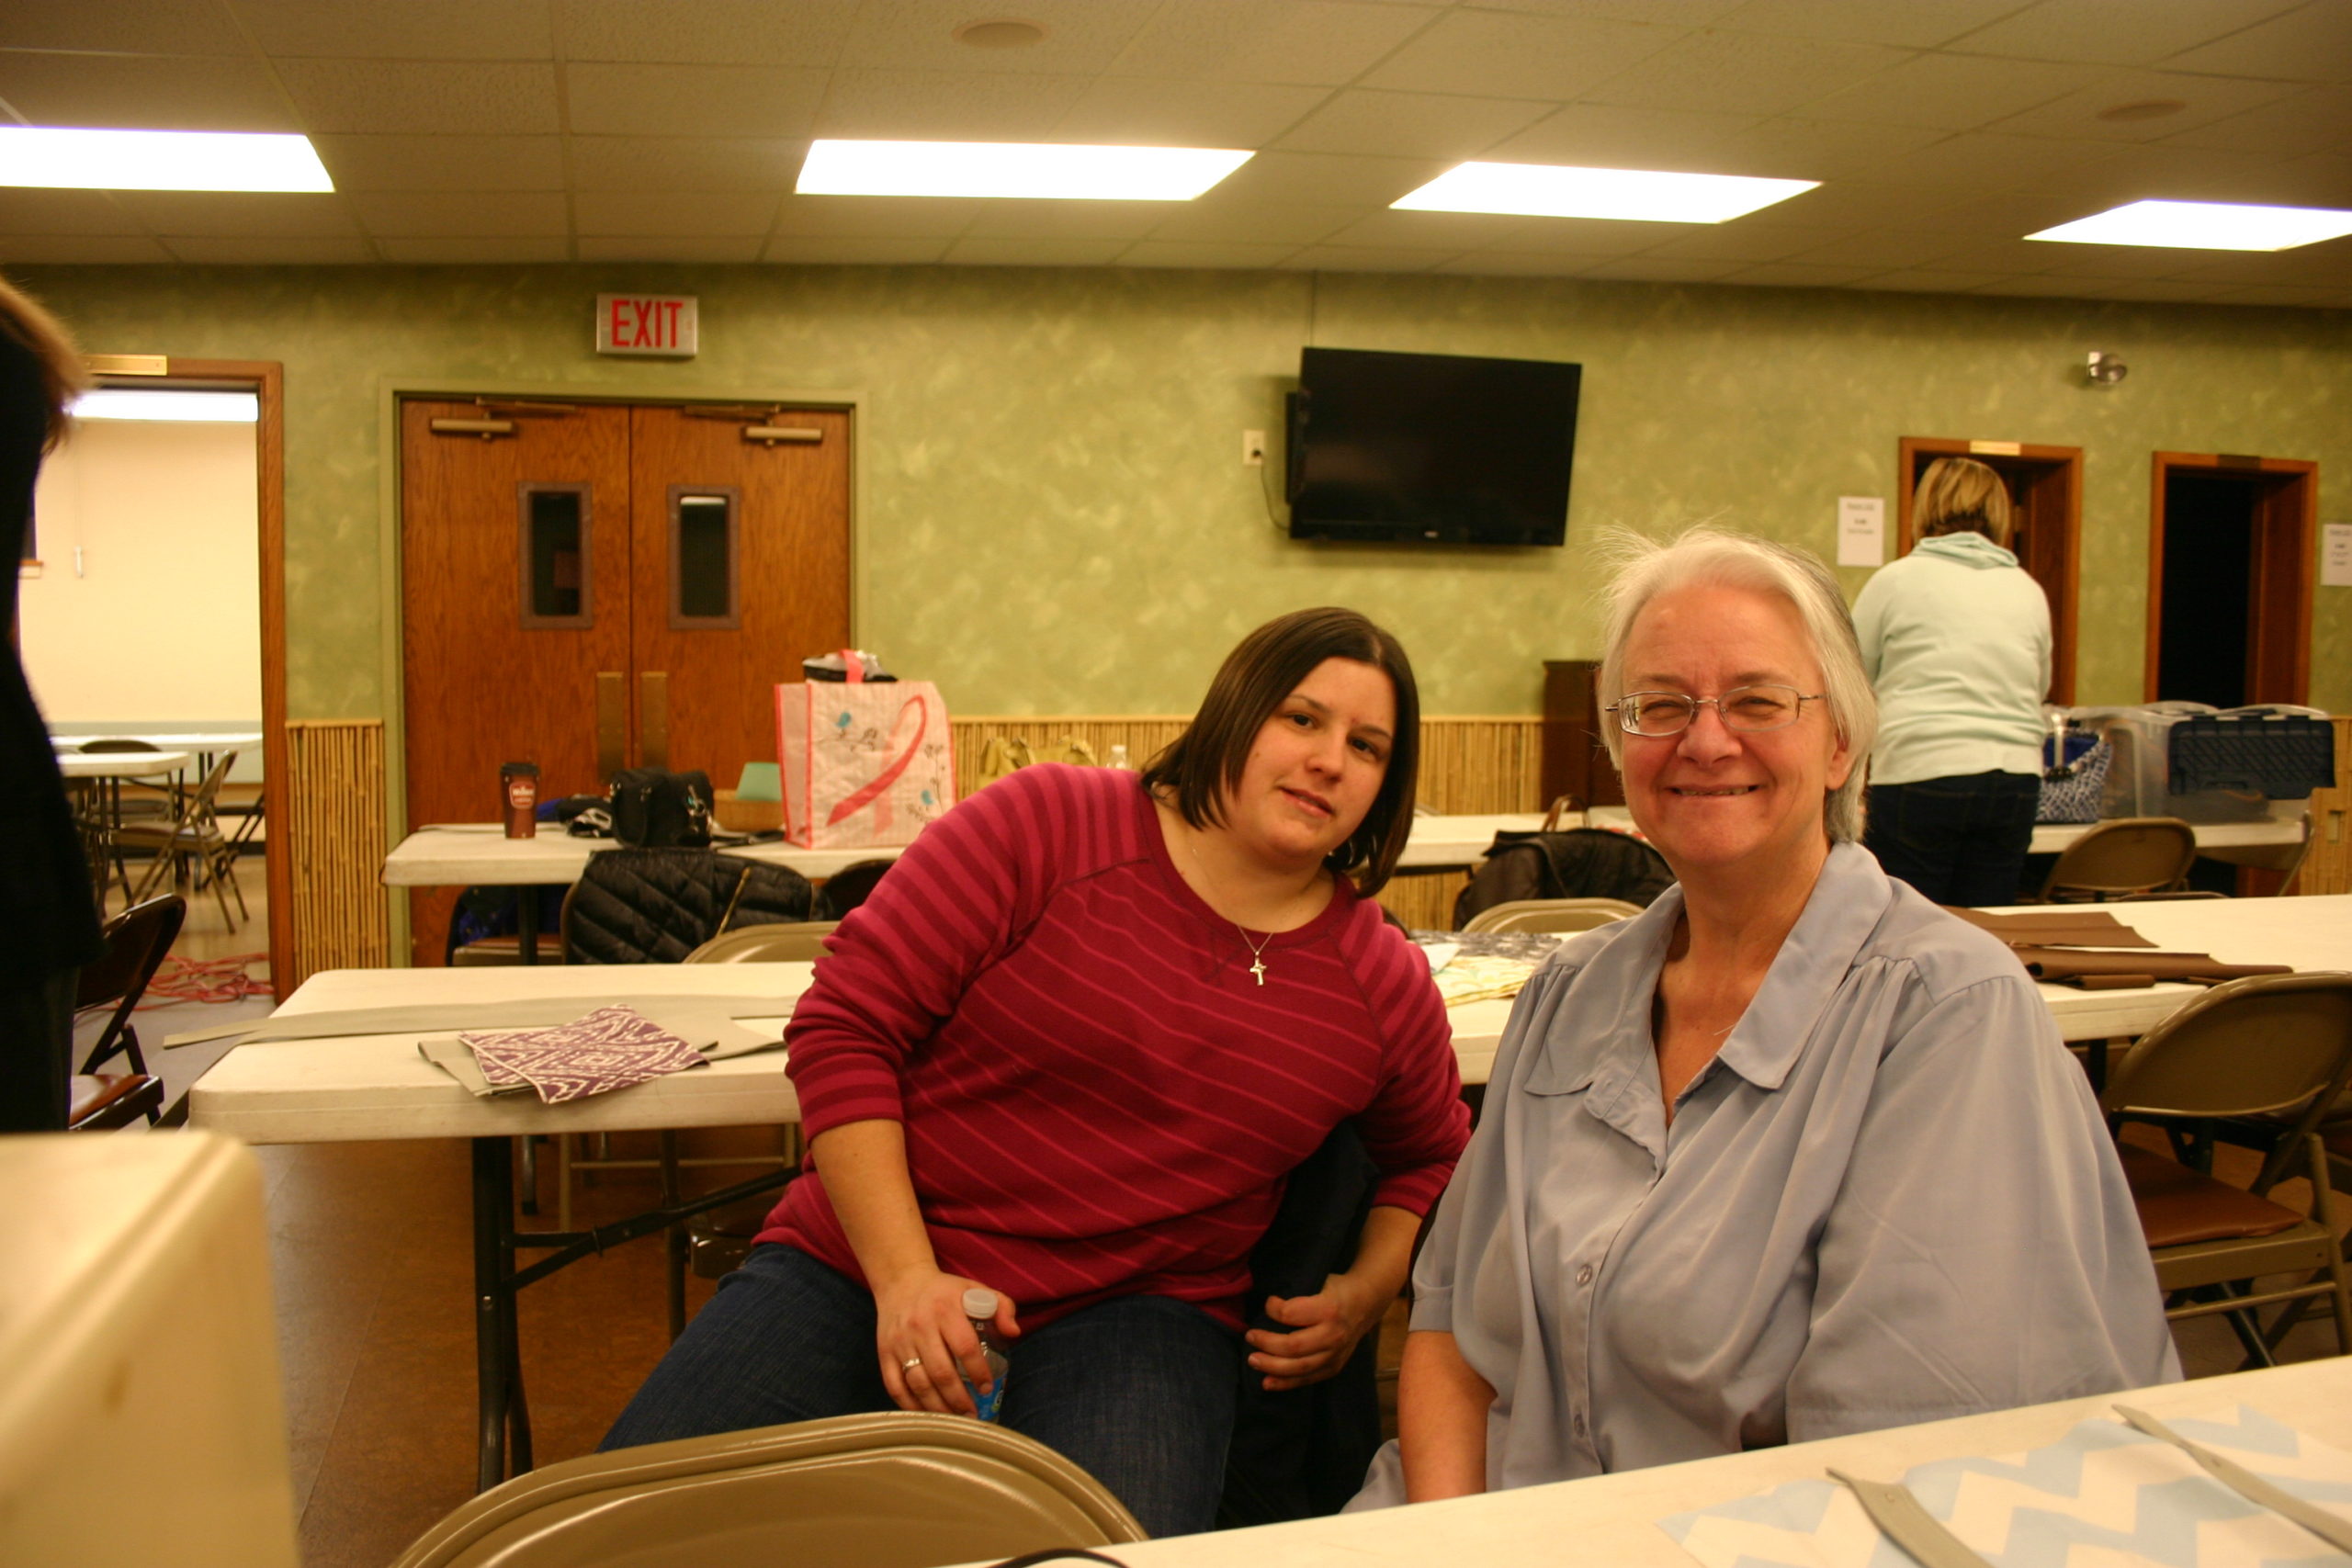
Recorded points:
(1625,710)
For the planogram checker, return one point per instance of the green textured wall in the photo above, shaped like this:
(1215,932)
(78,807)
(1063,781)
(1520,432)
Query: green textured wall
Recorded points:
(1055,518)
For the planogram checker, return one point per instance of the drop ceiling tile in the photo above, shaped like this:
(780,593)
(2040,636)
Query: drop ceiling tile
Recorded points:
(1357,258)
(2004,256)
(876,216)
(1436,231)
(1499,54)
(133,27)
(1657,270)
(685,162)
(79,250)
(147,91)
(2327,265)
(694,215)
(476,250)
(2116,32)
(1139,111)
(946,106)
(2207,100)
(453,215)
(1907,23)
(1595,236)
(1799,275)
(1855,204)
(2117,262)
(1290,224)
(1744,242)
(1516,264)
(1596,136)
(1786,147)
(670,248)
(1659,12)
(2312,43)
(1328,179)
(1410,125)
(1883,248)
(857,250)
(1314,42)
(411,29)
(442,162)
(406,97)
(692,100)
(706,32)
(1747,74)
(996,251)
(1953,92)
(33,211)
(1927,280)
(2195,173)
(266,250)
(2313,121)
(2150,290)
(245,213)
(1188,253)
(2041,288)
(1978,160)
(2269,294)
(2008,214)
(1068,219)
(1082,37)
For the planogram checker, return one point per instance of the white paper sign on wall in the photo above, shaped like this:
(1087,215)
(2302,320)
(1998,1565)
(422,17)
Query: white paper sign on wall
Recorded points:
(648,326)
(1861,530)
(2335,555)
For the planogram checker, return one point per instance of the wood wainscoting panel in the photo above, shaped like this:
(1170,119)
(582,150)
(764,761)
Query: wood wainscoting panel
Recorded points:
(334,848)
(2328,867)
(1474,764)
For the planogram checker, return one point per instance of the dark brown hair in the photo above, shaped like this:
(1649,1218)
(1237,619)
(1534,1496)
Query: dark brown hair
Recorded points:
(1203,765)
(61,376)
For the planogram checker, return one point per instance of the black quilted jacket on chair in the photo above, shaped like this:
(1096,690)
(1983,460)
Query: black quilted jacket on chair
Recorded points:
(657,906)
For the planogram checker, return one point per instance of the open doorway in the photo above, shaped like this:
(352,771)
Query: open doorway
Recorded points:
(2230,547)
(2045,486)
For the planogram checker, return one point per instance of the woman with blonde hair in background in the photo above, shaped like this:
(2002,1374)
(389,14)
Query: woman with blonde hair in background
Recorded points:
(1955,637)
(45,901)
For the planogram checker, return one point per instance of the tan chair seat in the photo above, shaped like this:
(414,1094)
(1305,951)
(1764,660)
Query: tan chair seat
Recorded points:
(101,1101)
(2179,1205)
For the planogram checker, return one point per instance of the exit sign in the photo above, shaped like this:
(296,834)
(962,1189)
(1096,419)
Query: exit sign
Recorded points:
(653,326)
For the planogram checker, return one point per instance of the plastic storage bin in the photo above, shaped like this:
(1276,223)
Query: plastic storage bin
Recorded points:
(2275,753)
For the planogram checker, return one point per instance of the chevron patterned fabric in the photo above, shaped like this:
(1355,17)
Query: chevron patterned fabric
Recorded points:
(610,1048)
(2103,1497)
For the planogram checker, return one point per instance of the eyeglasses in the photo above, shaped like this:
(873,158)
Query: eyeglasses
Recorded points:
(1746,708)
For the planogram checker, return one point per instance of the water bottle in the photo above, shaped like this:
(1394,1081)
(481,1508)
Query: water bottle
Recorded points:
(979,1305)
(1119,758)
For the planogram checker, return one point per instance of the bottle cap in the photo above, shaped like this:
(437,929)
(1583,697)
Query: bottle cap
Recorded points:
(979,1302)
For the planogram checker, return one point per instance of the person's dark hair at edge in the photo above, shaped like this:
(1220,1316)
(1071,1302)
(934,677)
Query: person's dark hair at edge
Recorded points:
(1203,764)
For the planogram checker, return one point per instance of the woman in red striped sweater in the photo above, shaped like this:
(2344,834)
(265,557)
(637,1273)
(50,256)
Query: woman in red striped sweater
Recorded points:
(1069,1051)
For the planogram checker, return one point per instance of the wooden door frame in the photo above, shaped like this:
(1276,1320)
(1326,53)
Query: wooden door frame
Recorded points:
(2286,538)
(267,378)
(2065,626)
(655,388)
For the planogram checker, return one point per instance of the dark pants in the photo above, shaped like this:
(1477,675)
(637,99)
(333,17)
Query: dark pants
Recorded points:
(35,1053)
(1138,1391)
(1959,840)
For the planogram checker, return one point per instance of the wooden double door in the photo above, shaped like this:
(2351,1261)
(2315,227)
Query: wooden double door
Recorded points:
(591,587)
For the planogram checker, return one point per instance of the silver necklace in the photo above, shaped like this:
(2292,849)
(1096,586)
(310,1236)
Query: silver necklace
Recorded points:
(1257,948)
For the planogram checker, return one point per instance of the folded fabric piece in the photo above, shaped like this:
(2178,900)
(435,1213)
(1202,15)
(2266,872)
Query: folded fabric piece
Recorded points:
(2058,928)
(445,1052)
(2116,971)
(611,1048)
(2103,1492)
(1477,977)
(702,1018)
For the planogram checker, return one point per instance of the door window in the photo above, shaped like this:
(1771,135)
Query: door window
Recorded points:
(556,585)
(703,556)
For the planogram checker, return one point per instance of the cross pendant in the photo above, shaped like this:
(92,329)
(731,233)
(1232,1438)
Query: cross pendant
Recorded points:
(1258,967)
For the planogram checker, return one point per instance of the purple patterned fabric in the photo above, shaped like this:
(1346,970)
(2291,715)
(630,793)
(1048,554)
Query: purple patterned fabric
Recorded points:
(608,1049)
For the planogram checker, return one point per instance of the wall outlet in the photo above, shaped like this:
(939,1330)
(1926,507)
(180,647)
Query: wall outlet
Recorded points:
(1253,448)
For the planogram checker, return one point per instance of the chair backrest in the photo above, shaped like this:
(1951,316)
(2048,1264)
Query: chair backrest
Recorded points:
(849,888)
(2134,854)
(120,744)
(136,943)
(1552,915)
(2268,1042)
(782,941)
(886,1491)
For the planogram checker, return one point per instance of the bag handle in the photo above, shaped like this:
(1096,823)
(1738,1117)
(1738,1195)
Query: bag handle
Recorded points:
(852,667)
(1560,807)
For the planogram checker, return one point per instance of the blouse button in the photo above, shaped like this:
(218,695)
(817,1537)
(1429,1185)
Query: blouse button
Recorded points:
(1579,1423)
(1584,1275)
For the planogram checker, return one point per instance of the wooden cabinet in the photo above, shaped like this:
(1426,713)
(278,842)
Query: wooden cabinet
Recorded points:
(1575,762)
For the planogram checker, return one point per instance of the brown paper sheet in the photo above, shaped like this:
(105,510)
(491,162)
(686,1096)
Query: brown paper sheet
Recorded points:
(2058,928)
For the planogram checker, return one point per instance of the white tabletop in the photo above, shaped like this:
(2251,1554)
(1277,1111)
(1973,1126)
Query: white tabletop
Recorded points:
(472,854)
(190,740)
(120,765)
(1611,1520)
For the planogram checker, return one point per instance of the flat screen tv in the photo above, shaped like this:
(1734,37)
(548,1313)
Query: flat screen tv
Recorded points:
(1431,447)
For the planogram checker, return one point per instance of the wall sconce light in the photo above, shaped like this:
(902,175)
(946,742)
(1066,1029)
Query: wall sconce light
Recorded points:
(2105,370)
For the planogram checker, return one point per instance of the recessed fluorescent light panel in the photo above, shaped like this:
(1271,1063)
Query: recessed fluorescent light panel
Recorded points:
(158,160)
(1644,196)
(2204,226)
(179,408)
(1014,169)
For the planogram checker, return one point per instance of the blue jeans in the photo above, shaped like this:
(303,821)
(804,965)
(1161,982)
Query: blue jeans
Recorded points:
(1139,1391)
(1960,840)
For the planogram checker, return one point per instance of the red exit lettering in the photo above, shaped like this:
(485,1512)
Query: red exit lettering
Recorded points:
(646,323)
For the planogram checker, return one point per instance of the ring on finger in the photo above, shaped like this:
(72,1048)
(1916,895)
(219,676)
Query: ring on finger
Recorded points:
(911,1364)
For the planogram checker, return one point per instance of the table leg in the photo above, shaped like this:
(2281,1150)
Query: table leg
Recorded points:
(528,925)
(498,1372)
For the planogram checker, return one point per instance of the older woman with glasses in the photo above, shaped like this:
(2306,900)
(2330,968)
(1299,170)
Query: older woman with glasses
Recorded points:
(1792,1154)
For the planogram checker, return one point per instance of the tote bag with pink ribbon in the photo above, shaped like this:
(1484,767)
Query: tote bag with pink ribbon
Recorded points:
(863,762)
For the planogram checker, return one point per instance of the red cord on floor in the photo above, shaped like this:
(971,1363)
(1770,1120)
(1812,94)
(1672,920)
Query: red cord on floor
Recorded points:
(206,980)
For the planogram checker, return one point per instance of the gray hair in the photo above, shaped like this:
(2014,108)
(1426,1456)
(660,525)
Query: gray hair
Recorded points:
(1711,557)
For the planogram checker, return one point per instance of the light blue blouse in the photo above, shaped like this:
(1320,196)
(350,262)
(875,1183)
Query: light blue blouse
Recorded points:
(1889,1198)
